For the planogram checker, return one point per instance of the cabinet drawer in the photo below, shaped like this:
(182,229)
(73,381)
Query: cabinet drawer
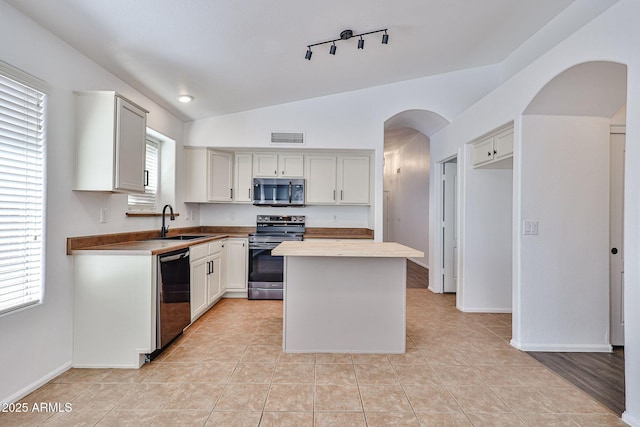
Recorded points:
(198,251)
(215,246)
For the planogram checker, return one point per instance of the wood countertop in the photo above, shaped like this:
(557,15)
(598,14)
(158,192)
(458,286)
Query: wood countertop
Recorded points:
(367,249)
(145,247)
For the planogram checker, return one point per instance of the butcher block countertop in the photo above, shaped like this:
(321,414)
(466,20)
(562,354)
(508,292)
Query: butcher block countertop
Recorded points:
(145,247)
(367,249)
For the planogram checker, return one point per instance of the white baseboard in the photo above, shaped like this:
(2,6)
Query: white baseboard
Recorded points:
(235,294)
(36,384)
(565,348)
(484,310)
(631,420)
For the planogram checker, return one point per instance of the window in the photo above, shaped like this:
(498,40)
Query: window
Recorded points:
(148,200)
(22,135)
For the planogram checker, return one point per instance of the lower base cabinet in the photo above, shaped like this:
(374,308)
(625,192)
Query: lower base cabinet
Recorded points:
(207,284)
(235,254)
(218,269)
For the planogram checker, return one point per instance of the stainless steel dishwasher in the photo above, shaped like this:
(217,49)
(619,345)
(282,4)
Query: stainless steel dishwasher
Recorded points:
(174,296)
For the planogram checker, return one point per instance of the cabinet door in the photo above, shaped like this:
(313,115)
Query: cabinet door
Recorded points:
(503,144)
(199,276)
(220,187)
(131,130)
(215,278)
(291,165)
(195,175)
(243,178)
(265,165)
(236,262)
(353,180)
(483,151)
(321,179)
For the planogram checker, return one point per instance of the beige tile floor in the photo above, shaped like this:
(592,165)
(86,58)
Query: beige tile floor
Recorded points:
(228,370)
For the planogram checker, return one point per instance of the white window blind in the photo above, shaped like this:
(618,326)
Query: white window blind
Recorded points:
(147,201)
(21,194)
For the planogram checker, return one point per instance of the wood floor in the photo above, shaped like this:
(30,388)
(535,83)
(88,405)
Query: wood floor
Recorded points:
(601,375)
(417,276)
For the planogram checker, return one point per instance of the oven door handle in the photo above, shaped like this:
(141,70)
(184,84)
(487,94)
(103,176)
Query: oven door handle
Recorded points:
(263,245)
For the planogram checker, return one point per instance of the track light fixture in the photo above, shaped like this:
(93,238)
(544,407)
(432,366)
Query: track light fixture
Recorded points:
(346,35)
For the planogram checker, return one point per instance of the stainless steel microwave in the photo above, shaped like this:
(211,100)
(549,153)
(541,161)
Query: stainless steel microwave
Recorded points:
(278,192)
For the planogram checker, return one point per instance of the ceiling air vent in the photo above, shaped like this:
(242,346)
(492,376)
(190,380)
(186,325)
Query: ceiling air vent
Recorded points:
(287,138)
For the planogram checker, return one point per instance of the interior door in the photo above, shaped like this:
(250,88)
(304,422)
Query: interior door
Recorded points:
(449,232)
(616,232)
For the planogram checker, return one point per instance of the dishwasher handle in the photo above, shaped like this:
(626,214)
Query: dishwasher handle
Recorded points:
(169,258)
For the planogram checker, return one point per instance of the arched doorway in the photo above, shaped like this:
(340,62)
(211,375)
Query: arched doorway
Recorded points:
(406,178)
(563,299)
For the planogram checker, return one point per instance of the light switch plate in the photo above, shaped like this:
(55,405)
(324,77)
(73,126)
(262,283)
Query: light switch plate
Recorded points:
(530,228)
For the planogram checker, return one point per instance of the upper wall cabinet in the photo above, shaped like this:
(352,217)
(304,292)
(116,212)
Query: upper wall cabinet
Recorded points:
(243,178)
(110,143)
(208,175)
(278,165)
(337,180)
(493,150)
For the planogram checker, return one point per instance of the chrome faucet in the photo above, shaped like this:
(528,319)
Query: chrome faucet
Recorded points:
(172,217)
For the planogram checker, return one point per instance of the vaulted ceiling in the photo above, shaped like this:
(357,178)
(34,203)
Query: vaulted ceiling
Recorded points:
(236,55)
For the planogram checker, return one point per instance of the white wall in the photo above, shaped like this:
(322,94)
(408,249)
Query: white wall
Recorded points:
(485,240)
(565,268)
(37,341)
(612,36)
(406,178)
(351,120)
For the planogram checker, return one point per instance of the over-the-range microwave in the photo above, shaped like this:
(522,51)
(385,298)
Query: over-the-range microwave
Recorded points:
(278,192)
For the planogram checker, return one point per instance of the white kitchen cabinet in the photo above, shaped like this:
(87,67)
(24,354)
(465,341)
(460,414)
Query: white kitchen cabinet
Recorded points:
(243,178)
(110,143)
(337,180)
(235,254)
(207,274)
(208,175)
(492,150)
(320,179)
(278,165)
(353,180)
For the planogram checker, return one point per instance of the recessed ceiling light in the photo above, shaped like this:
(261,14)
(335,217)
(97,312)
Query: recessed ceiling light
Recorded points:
(185,98)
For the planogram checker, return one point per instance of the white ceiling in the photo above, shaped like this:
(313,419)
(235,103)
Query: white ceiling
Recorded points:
(236,55)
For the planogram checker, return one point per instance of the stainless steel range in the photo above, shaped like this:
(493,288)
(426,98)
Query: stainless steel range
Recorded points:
(266,270)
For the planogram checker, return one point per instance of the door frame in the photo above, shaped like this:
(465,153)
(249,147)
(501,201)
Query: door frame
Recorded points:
(436,283)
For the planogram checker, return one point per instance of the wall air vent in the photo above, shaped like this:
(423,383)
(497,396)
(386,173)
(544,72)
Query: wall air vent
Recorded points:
(287,138)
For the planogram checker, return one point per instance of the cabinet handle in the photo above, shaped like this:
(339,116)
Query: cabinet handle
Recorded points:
(208,268)
(495,152)
(488,153)
(334,195)
(249,194)
(146,178)
(341,195)
(275,173)
(231,193)
(282,172)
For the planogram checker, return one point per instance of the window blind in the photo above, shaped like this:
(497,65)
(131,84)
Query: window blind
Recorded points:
(147,201)
(21,194)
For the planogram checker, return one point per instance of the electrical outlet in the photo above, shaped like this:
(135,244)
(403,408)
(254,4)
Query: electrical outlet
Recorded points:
(530,228)
(335,217)
(104,215)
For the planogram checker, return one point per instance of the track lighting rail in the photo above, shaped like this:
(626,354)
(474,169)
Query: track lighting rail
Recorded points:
(346,35)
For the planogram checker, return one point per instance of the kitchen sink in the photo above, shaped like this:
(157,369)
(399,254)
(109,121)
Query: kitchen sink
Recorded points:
(178,237)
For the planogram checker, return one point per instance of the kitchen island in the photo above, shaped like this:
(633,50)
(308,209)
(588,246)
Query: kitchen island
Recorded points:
(344,297)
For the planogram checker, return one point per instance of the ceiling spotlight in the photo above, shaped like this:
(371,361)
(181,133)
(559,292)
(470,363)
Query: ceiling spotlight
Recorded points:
(346,35)
(385,38)
(185,98)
